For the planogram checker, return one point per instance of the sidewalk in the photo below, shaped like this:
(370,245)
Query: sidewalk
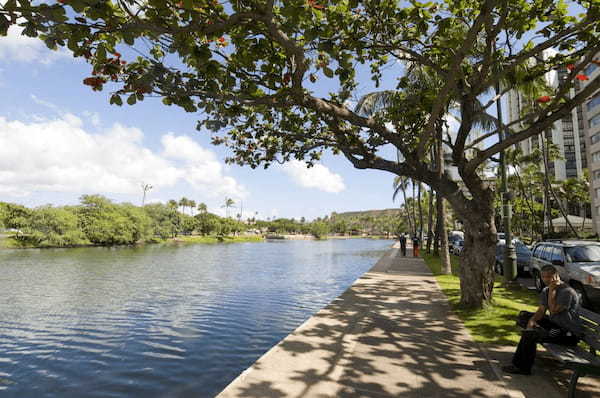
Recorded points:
(391,334)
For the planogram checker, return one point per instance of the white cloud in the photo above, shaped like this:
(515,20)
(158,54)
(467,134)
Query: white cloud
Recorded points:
(94,118)
(59,155)
(318,176)
(203,170)
(16,47)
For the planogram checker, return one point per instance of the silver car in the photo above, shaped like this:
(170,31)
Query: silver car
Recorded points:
(578,264)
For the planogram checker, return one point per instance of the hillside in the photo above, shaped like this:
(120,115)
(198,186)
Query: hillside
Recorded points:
(366,213)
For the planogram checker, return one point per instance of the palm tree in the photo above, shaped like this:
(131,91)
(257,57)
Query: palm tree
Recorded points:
(192,205)
(401,184)
(228,203)
(202,208)
(145,189)
(183,203)
(172,203)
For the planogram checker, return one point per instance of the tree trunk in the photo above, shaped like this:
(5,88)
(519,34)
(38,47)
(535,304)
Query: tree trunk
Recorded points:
(410,224)
(443,236)
(438,226)
(477,259)
(441,207)
(420,208)
(414,210)
(430,221)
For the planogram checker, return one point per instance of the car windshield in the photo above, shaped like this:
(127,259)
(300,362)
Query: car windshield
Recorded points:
(583,254)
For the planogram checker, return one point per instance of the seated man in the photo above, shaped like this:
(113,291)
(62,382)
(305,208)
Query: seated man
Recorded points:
(563,326)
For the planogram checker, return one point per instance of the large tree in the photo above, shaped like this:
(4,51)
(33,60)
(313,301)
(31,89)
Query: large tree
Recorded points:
(252,68)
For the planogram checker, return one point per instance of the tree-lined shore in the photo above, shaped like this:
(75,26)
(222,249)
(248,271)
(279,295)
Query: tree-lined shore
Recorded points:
(98,221)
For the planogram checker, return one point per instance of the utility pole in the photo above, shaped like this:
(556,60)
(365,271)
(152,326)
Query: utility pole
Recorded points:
(510,257)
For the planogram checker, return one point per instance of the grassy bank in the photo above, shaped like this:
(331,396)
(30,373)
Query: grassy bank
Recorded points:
(494,324)
(9,242)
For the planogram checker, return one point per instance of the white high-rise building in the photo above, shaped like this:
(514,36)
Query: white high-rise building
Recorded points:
(568,134)
(591,118)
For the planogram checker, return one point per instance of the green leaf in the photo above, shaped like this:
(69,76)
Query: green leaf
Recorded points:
(4,25)
(30,30)
(131,100)
(328,72)
(116,99)
(101,53)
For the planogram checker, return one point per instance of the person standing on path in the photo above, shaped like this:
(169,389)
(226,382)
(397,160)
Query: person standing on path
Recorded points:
(563,326)
(416,242)
(403,244)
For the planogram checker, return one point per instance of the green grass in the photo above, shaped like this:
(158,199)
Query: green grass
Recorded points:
(9,242)
(218,239)
(494,324)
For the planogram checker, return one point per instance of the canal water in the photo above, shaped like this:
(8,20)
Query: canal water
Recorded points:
(160,321)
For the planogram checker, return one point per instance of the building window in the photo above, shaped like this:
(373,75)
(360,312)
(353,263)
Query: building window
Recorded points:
(597,175)
(596,157)
(597,192)
(590,69)
(593,102)
(595,138)
(595,121)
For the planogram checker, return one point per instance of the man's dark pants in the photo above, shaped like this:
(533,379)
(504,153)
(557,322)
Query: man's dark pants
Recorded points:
(547,332)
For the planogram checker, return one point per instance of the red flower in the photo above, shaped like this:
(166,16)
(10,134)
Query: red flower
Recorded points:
(582,77)
(543,99)
(286,78)
(570,67)
(313,4)
(118,55)
(221,39)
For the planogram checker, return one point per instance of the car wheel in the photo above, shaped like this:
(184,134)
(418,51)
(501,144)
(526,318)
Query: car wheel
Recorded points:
(583,299)
(537,279)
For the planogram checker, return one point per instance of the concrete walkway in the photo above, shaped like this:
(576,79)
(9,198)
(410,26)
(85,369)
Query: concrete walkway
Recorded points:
(391,334)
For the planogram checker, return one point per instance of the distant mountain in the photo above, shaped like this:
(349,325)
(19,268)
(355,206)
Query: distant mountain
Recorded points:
(366,213)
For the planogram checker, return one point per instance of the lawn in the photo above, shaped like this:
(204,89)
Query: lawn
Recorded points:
(494,324)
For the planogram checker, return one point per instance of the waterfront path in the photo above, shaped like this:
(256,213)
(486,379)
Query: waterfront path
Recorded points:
(391,334)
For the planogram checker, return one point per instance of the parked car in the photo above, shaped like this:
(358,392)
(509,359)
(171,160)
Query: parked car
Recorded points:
(453,238)
(523,256)
(578,264)
(457,247)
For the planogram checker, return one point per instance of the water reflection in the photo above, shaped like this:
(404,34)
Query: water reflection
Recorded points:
(159,320)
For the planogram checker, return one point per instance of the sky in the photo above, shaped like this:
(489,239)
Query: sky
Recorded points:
(59,140)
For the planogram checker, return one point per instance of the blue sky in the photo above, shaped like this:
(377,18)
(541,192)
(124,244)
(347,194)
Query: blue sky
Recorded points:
(59,139)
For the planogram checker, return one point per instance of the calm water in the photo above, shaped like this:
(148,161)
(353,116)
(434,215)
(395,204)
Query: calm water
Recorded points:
(159,321)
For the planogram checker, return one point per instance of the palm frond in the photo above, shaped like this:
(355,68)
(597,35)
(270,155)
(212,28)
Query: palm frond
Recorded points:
(372,103)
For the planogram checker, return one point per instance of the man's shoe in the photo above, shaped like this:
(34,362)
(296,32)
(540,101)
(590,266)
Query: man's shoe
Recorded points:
(515,370)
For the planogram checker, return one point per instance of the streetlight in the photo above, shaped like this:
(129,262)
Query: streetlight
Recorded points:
(510,256)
